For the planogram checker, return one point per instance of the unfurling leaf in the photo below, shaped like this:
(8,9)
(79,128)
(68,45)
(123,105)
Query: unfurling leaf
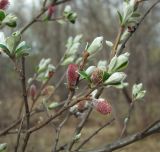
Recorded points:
(115,78)
(3,147)
(138,92)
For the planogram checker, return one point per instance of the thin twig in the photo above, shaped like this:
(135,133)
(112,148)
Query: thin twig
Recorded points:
(119,51)
(94,133)
(35,128)
(118,38)
(18,135)
(26,139)
(44,4)
(83,121)
(23,80)
(58,130)
(130,139)
(79,128)
(126,120)
(39,15)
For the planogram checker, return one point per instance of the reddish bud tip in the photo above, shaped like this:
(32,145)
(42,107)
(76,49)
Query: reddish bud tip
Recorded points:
(82,105)
(102,106)
(97,76)
(4,4)
(51,10)
(50,74)
(72,75)
(33,91)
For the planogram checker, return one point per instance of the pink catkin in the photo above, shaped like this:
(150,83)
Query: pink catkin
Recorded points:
(102,106)
(4,4)
(33,91)
(72,75)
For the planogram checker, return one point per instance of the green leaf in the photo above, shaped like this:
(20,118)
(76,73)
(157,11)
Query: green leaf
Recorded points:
(10,20)
(84,75)
(123,66)
(3,147)
(138,92)
(2,15)
(12,24)
(22,49)
(136,14)
(141,94)
(67,60)
(5,49)
(13,41)
(106,75)
(112,64)
(114,84)
(120,16)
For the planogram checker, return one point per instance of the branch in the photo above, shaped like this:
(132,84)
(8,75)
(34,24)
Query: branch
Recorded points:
(130,139)
(94,133)
(35,128)
(39,15)
(19,134)
(126,120)
(137,26)
(25,98)
(84,120)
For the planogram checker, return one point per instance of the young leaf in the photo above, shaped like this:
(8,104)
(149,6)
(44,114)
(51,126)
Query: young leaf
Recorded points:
(2,15)
(22,49)
(3,147)
(84,75)
(120,17)
(53,105)
(136,14)
(106,75)
(5,49)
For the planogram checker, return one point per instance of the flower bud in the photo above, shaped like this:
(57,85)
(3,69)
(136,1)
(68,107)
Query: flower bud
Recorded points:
(33,91)
(69,14)
(109,43)
(4,4)
(67,9)
(43,65)
(48,90)
(74,109)
(50,74)
(115,78)
(102,64)
(53,105)
(118,63)
(138,92)
(96,45)
(97,76)
(90,70)
(82,105)
(72,75)
(102,106)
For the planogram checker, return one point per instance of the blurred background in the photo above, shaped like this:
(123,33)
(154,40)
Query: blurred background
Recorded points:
(48,39)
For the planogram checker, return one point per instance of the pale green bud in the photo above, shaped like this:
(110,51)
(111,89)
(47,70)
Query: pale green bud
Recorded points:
(102,65)
(115,78)
(96,45)
(109,43)
(138,92)
(90,70)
